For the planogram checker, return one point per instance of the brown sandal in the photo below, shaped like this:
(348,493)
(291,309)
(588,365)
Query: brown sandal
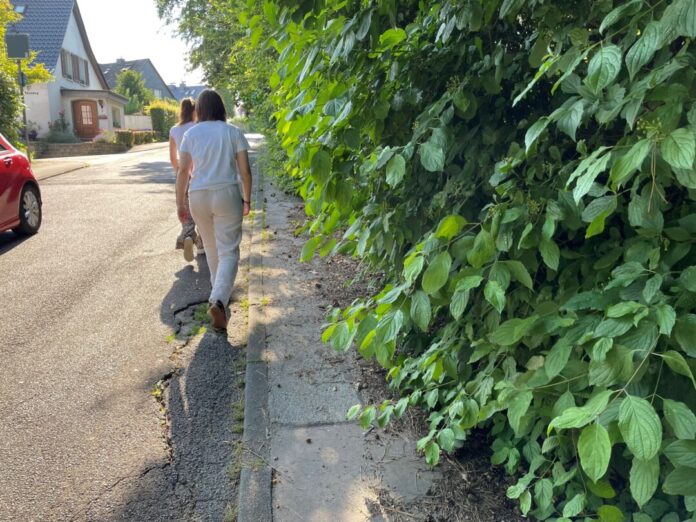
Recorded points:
(218,315)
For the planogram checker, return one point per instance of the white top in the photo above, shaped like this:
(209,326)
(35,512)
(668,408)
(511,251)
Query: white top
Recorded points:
(177,132)
(213,146)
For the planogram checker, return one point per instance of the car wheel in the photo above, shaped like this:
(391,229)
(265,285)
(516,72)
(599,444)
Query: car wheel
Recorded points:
(29,211)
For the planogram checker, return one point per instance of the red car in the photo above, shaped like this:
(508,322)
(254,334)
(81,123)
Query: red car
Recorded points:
(20,197)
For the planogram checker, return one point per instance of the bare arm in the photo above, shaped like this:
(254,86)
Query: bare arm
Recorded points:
(172,154)
(182,181)
(245,173)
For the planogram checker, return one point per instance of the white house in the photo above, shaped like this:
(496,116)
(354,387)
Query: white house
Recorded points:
(79,93)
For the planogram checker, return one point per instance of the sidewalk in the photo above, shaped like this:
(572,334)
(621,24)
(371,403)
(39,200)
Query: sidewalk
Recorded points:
(304,461)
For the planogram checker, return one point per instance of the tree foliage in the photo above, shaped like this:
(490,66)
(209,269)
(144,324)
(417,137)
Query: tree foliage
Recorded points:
(10,96)
(222,45)
(523,174)
(131,84)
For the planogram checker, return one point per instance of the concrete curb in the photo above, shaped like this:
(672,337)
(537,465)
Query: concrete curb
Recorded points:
(48,174)
(255,501)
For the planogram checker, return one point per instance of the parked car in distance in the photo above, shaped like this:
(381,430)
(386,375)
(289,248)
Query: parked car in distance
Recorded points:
(20,197)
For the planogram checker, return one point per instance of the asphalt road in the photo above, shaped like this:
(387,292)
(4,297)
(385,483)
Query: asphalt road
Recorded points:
(85,309)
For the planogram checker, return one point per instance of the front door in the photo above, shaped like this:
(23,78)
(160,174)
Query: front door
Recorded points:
(86,119)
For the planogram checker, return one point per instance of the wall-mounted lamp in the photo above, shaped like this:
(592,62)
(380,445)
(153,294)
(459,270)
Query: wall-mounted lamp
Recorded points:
(101,104)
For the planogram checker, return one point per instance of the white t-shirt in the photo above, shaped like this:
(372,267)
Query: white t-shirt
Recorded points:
(177,132)
(213,146)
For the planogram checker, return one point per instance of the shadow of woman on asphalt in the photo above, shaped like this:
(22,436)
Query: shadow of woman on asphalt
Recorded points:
(190,286)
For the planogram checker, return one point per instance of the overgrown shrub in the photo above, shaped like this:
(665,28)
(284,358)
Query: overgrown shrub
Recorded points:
(164,116)
(9,107)
(523,173)
(125,137)
(141,137)
(105,136)
(58,136)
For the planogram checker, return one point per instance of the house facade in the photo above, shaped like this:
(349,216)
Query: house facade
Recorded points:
(151,77)
(79,95)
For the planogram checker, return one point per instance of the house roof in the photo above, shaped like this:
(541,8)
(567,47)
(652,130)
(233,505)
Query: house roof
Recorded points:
(46,22)
(145,67)
(187,91)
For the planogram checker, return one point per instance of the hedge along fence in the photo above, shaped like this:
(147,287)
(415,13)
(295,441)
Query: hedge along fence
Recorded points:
(523,173)
(130,137)
(164,116)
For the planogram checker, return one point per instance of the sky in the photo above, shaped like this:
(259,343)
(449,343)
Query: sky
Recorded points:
(131,29)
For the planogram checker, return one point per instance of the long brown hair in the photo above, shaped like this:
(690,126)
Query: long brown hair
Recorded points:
(210,107)
(186,110)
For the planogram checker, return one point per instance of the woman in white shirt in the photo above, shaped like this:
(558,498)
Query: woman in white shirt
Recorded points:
(214,153)
(188,236)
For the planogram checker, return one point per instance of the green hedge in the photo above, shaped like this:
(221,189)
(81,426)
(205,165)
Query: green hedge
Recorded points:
(523,174)
(163,119)
(10,107)
(131,137)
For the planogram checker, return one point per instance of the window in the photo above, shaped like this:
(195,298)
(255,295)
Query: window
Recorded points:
(20,9)
(87,117)
(116,116)
(158,93)
(74,67)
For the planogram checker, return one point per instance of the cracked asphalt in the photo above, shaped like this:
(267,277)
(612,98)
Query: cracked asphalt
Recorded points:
(86,307)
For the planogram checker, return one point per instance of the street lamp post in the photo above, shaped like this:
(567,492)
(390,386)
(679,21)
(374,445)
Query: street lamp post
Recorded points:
(18,49)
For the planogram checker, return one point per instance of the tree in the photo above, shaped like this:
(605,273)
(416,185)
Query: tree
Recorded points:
(233,60)
(10,99)
(131,85)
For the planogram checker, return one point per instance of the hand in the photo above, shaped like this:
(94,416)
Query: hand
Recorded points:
(246,208)
(183,212)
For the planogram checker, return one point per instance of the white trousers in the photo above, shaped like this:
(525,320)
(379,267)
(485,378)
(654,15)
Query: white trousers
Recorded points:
(218,215)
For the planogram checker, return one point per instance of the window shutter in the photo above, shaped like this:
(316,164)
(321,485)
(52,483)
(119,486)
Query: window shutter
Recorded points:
(76,68)
(86,72)
(63,63)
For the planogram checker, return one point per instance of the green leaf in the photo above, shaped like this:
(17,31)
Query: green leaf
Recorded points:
(666,317)
(630,162)
(652,286)
(460,299)
(619,13)
(437,273)
(644,49)
(525,500)
(495,295)
(517,409)
(610,514)
(432,453)
(585,181)
(644,477)
(510,332)
(413,267)
(543,493)
(534,132)
(446,439)
(682,453)
(450,226)
(604,67)
(685,333)
(687,279)
(678,364)
(578,417)
(594,448)
(321,167)
(574,506)
(432,157)
(678,149)
(519,273)
(353,412)
(392,37)
(341,338)
(686,19)
(396,168)
(469,283)
(550,253)
(309,248)
(680,418)
(569,119)
(682,481)
(557,358)
(420,310)
(624,308)
(483,249)
(640,427)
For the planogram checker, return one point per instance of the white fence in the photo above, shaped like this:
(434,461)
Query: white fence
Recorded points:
(138,122)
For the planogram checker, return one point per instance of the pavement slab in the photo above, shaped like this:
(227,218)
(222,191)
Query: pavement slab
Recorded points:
(323,467)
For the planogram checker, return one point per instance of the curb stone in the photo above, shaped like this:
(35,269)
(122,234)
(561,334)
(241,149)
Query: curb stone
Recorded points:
(255,502)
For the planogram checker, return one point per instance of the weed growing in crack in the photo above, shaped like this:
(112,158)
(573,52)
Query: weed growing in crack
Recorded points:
(265,301)
(171,337)
(244,304)
(230,513)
